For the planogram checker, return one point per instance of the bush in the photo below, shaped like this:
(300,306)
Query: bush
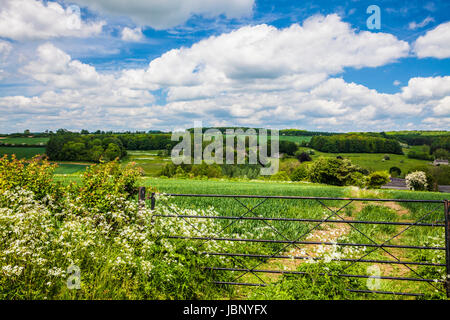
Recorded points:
(417,181)
(333,171)
(288,147)
(419,155)
(35,175)
(300,174)
(103,183)
(431,173)
(442,154)
(377,179)
(386,157)
(395,172)
(302,156)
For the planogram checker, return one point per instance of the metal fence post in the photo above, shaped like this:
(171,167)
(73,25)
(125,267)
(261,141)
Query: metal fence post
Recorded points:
(142,197)
(153,201)
(447,245)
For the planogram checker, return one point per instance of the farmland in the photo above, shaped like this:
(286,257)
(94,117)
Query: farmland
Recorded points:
(24,140)
(282,286)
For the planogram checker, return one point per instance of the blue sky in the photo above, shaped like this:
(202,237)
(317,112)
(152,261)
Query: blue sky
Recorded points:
(149,64)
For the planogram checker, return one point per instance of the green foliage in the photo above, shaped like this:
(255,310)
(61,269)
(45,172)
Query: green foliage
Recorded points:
(441,154)
(377,179)
(300,174)
(280,176)
(205,170)
(355,143)
(333,171)
(68,146)
(314,285)
(303,156)
(395,172)
(288,147)
(419,155)
(35,175)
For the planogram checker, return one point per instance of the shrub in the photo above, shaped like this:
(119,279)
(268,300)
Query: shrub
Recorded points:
(377,179)
(35,175)
(302,156)
(395,172)
(332,171)
(102,183)
(419,155)
(205,170)
(386,157)
(431,173)
(417,181)
(300,174)
(442,154)
(288,147)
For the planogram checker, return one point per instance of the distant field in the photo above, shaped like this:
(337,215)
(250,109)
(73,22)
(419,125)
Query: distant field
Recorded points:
(374,161)
(29,141)
(296,139)
(21,153)
(68,168)
(420,133)
(149,161)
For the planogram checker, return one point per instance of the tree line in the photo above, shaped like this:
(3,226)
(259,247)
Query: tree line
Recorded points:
(355,143)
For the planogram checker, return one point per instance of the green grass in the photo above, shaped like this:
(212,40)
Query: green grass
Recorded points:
(29,141)
(149,161)
(374,161)
(20,152)
(68,168)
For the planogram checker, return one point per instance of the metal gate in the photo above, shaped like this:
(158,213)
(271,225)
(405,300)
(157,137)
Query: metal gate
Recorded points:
(334,216)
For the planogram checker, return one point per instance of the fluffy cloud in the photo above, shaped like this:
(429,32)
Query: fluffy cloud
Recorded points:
(256,75)
(169,13)
(435,43)
(34,19)
(323,45)
(134,35)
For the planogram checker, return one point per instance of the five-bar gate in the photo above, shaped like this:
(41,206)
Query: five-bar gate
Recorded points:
(334,216)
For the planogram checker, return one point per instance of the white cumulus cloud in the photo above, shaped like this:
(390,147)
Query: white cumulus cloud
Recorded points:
(170,13)
(435,43)
(34,19)
(133,35)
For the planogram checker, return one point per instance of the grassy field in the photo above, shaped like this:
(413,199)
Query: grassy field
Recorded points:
(29,141)
(296,139)
(20,152)
(375,162)
(149,161)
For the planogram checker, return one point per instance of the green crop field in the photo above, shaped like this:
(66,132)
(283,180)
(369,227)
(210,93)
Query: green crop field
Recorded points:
(296,139)
(29,141)
(20,152)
